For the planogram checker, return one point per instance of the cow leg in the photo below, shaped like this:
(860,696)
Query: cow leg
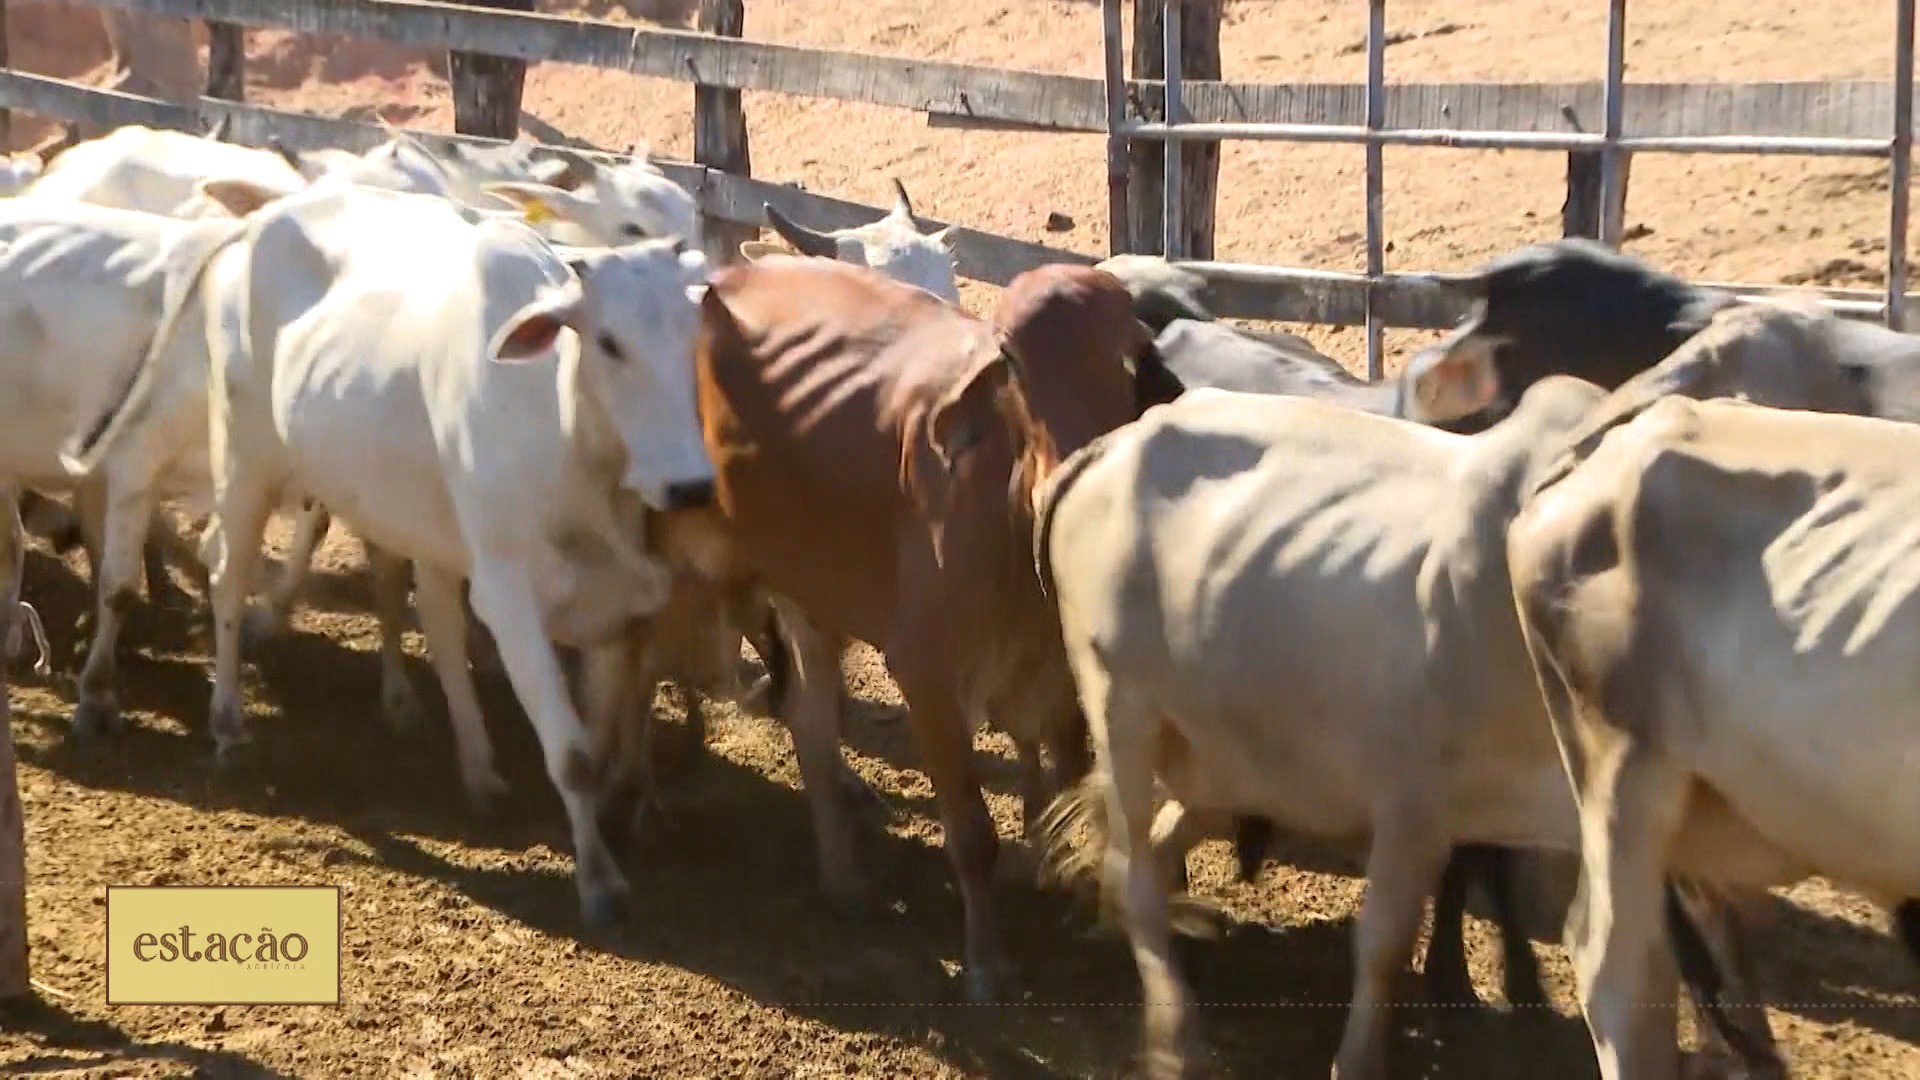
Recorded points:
(398,699)
(1448,980)
(444,619)
(1403,864)
(1710,951)
(232,550)
(1126,737)
(162,541)
(309,529)
(504,600)
(944,736)
(1630,809)
(814,718)
(127,515)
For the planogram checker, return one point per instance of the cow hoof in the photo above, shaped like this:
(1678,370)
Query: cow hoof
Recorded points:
(93,718)
(1453,993)
(987,984)
(603,909)
(486,790)
(402,708)
(257,626)
(228,755)
(230,735)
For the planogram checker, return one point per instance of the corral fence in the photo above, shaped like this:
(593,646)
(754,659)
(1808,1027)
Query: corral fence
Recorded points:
(1163,121)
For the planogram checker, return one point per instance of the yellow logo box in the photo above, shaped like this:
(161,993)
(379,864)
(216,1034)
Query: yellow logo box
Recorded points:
(223,945)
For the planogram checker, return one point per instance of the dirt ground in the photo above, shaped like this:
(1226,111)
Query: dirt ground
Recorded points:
(464,956)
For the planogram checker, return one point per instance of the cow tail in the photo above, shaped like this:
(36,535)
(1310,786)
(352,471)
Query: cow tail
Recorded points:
(1047,497)
(81,456)
(1073,839)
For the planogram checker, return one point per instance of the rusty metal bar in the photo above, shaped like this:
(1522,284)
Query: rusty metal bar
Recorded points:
(1376,226)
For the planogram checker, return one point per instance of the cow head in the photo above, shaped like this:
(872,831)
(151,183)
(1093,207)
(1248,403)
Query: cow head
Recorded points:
(895,245)
(617,204)
(635,311)
(1162,292)
(1071,334)
(1781,355)
(1568,307)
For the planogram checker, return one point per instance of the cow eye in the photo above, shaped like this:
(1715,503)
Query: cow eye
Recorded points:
(632,230)
(609,346)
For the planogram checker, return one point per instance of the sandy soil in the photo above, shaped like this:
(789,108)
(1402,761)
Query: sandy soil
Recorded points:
(464,955)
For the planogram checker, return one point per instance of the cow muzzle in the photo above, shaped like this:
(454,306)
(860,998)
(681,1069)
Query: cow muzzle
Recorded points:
(690,495)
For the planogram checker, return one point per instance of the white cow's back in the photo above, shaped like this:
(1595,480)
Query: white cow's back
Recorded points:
(139,168)
(376,309)
(81,290)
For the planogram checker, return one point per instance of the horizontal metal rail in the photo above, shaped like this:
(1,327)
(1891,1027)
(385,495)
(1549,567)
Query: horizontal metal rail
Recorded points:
(1509,140)
(1853,303)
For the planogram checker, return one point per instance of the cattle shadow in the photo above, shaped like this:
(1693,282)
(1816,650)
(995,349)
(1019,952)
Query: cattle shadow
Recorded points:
(71,1044)
(727,888)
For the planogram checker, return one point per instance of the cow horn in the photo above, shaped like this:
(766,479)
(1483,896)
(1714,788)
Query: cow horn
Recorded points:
(902,206)
(221,125)
(51,148)
(581,169)
(1464,284)
(804,240)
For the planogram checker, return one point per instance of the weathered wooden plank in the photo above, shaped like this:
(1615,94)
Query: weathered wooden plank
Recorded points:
(720,132)
(1274,293)
(226,61)
(982,256)
(15,976)
(962,92)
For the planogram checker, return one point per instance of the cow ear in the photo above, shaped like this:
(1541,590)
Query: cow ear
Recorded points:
(952,427)
(946,241)
(1451,381)
(237,197)
(532,330)
(755,250)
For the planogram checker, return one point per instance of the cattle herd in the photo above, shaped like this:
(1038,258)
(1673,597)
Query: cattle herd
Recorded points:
(1622,567)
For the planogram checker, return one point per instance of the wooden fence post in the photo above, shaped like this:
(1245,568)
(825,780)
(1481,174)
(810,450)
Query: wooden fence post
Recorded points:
(1199,161)
(6,61)
(487,89)
(720,133)
(1580,215)
(227,61)
(13,867)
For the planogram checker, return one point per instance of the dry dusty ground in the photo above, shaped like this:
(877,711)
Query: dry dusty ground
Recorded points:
(463,951)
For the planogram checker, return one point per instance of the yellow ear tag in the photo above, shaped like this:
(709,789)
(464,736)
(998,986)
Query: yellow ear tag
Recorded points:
(537,212)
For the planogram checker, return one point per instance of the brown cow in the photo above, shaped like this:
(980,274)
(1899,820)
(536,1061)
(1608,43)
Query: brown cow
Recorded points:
(875,452)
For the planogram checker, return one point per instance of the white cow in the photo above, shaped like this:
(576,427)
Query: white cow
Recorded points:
(82,289)
(1720,601)
(17,171)
(467,402)
(159,170)
(894,245)
(1286,608)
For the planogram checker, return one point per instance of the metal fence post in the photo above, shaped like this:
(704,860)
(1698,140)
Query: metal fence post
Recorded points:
(1613,188)
(1376,226)
(1118,240)
(1900,172)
